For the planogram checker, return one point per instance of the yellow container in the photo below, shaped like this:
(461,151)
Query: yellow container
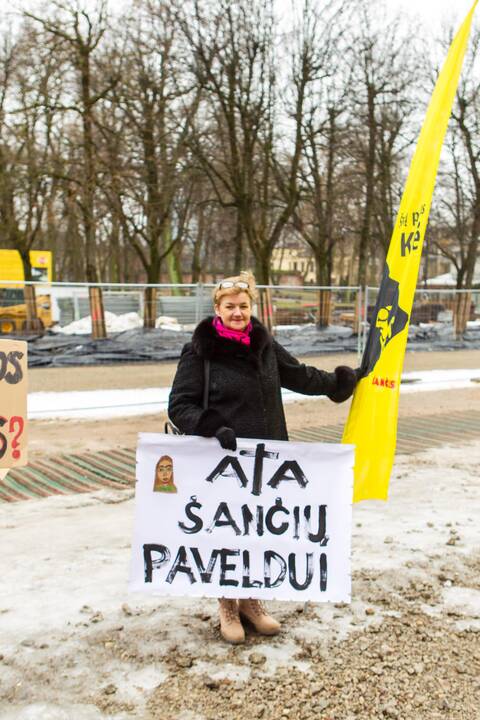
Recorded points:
(13,312)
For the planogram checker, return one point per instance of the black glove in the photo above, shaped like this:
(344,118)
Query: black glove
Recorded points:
(344,381)
(226,438)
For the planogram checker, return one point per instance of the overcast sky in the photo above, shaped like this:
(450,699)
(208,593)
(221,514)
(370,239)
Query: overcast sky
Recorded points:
(429,13)
(433,11)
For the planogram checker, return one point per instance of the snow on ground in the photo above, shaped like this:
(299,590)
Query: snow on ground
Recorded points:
(116,323)
(142,401)
(71,634)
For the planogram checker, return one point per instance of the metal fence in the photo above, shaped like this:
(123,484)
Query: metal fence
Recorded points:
(64,307)
(186,304)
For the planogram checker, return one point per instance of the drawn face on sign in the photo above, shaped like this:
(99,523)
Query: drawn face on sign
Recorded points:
(164,475)
(388,320)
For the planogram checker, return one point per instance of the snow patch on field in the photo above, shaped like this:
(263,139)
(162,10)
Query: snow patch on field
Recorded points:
(144,401)
(115,324)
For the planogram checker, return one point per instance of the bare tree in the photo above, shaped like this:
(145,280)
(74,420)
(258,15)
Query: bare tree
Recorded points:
(381,59)
(250,166)
(466,115)
(454,210)
(146,161)
(78,33)
(316,218)
(456,215)
(25,183)
(27,188)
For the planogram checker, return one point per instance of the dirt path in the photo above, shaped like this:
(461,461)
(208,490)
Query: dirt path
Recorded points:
(74,436)
(161,374)
(70,436)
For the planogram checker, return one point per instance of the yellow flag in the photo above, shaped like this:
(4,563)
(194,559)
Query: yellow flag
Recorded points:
(372,422)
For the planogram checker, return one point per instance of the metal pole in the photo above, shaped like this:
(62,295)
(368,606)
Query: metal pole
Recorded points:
(365,320)
(198,302)
(76,306)
(359,324)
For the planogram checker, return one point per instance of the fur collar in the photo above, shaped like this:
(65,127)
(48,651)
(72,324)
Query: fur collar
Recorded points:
(208,344)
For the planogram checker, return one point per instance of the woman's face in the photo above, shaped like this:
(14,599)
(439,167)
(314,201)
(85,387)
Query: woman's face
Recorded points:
(235,310)
(164,474)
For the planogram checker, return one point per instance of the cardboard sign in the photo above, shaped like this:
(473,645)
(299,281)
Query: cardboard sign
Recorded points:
(270,520)
(13,403)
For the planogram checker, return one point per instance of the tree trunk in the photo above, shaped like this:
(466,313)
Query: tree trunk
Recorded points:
(27,266)
(262,269)
(153,272)
(173,262)
(150,307)
(324,296)
(88,184)
(463,302)
(238,259)
(473,247)
(198,245)
(114,255)
(32,322)
(369,191)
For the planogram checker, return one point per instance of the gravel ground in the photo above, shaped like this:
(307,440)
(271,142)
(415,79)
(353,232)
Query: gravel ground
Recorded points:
(407,666)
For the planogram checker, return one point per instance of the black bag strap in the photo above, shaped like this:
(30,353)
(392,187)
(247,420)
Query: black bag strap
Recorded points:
(170,429)
(206,382)
(169,426)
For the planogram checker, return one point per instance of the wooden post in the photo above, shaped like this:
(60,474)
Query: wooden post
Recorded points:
(357,312)
(266,312)
(271,310)
(33,322)
(324,307)
(150,307)
(99,331)
(461,313)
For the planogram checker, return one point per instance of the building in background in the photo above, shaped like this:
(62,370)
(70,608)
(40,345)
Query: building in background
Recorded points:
(293,264)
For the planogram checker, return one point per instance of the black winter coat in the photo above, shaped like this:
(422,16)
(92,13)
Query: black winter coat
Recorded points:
(245,384)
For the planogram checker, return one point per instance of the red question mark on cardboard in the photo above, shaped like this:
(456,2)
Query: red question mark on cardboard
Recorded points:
(16,420)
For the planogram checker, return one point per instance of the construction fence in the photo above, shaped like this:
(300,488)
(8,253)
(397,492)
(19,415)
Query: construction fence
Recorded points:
(104,309)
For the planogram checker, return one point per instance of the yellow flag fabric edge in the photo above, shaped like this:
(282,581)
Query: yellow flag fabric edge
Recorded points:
(372,422)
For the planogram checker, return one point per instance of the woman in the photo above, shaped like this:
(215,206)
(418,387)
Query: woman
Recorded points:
(164,481)
(248,368)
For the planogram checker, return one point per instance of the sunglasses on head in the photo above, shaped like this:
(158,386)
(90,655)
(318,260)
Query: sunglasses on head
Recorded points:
(225,284)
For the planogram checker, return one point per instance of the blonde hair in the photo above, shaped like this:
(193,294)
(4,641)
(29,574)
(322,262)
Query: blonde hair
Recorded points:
(245,277)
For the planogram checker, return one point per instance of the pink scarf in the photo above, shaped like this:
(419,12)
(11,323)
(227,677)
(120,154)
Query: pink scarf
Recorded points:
(242,336)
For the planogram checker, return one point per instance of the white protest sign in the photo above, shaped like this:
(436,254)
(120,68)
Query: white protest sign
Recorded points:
(13,403)
(270,520)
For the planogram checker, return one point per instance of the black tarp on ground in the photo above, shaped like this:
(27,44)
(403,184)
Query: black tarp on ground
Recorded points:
(139,345)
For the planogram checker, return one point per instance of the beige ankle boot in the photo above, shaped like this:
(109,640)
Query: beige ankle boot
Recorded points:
(254,611)
(230,625)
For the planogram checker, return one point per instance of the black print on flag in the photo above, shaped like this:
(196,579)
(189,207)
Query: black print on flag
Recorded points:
(388,320)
